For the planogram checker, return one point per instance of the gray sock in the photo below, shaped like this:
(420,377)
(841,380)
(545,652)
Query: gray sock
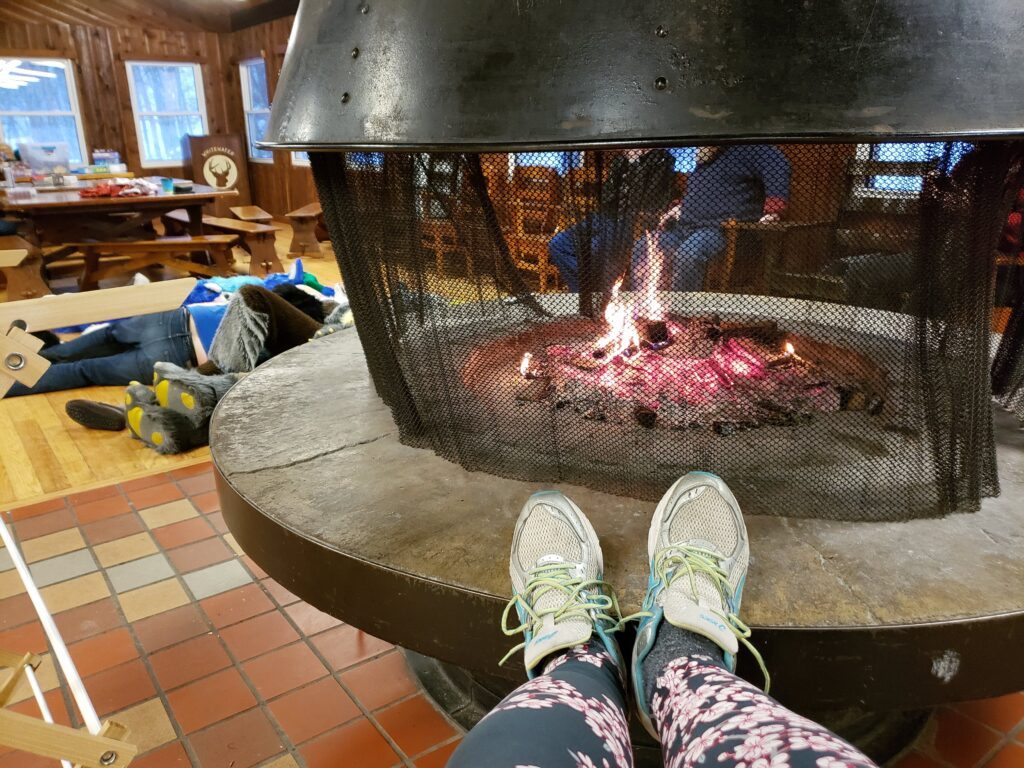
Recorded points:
(673,643)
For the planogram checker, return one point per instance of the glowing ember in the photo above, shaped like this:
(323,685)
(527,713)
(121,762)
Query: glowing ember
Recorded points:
(789,348)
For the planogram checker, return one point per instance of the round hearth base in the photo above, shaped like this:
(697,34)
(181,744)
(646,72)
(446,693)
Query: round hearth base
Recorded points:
(468,696)
(319,491)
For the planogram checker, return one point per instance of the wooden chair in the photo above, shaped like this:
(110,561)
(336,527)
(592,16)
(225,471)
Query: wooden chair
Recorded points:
(304,223)
(258,240)
(120,257)
(536,208)
(22,271)
(864,223)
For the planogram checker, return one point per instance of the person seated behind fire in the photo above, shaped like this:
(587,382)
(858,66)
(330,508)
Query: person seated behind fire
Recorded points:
(173,415)
(746,182)
(639,185)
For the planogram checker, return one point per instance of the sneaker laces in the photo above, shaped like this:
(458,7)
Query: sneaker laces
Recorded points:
(675,560)
(582,596)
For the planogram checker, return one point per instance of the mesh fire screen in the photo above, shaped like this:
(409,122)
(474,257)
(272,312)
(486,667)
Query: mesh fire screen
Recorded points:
(811,321)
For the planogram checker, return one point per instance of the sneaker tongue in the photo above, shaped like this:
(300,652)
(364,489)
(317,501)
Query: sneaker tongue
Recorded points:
(551,637)
(705,617)
(682,612)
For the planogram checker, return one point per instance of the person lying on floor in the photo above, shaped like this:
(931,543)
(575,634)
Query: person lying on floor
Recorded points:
(173,415)
(126,350)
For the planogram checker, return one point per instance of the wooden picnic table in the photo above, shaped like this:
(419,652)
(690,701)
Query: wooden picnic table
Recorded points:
(56,218)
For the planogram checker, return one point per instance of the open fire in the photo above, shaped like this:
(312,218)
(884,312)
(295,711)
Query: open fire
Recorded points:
(677,372)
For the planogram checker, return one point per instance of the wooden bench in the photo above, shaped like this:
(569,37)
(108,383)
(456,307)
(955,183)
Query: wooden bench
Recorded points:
(304,221)
(256,239)
(168,251)
(251,213)
(22,271)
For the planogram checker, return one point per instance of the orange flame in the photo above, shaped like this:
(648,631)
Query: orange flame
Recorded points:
(622,331)
(655,259)
(524,366)
(790,349)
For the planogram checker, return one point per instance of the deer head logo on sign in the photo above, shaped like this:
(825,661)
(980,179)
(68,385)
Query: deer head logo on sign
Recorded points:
(220,171)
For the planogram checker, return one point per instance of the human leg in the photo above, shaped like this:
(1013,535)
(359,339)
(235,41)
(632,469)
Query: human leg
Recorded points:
(132,347)
(562,252)
(686,646)
(112,370)
(98,343)
(688,252)
(258,325)
(574,712)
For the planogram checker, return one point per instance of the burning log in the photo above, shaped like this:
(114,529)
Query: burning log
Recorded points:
(645,417)
(656,334)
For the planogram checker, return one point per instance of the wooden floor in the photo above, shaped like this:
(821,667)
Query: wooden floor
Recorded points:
(43,454)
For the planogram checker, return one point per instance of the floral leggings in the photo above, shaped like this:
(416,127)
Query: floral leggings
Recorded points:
(574,715)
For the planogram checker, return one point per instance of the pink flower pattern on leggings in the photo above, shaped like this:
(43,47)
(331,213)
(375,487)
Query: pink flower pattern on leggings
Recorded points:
(604,718)
(707,716)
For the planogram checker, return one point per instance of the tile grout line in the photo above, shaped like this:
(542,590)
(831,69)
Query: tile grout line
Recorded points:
(161,694)
(336,674)
(62,683)
(213,630)
(261,703)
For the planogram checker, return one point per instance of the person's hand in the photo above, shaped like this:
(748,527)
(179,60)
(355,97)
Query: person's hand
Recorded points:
(768,217)
(672,214)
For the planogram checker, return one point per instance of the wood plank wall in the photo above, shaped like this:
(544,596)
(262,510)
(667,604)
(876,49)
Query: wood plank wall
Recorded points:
(99,54)
(282,185)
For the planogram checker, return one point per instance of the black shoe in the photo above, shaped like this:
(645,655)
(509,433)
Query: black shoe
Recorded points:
(95,415)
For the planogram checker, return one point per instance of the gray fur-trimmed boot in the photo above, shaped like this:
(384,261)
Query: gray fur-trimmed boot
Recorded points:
(164,430)
(188,393)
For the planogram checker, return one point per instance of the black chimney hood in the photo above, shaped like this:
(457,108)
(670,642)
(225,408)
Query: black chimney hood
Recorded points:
(524,74)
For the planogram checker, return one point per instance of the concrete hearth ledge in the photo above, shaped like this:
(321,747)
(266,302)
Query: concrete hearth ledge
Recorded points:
(319,491)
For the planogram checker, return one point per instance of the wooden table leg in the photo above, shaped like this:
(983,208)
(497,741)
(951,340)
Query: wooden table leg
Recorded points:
(304,242)
(88,281)
(262,255)
(195,229)
(25,281)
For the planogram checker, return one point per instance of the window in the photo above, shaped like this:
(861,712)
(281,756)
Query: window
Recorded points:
(686,159)
(560,161)
(169,104)
(300,158)
(39,103)
(256,104)
(945,154)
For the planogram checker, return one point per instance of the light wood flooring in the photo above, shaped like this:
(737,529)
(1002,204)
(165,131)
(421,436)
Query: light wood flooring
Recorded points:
(43,454)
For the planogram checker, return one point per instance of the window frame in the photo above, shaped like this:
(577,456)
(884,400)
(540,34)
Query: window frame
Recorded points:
(863,189)
(71,79)
(197,69)
(247,108)
(298,162)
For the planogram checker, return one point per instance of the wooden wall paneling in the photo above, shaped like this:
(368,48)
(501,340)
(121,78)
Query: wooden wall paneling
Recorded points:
(280,186)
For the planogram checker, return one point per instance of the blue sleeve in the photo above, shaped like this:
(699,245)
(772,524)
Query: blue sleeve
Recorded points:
(772,167)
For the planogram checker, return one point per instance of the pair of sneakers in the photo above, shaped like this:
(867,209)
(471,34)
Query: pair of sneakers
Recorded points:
(698,553)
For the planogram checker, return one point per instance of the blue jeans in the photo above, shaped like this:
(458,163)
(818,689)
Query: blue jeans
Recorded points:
(686,251)
(605,234)
(122,352)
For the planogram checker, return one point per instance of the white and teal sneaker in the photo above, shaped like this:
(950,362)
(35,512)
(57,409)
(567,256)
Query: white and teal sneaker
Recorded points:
(557,588)
(698,552)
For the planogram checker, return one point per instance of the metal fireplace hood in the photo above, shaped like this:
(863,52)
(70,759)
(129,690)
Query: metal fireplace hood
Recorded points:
(526,74)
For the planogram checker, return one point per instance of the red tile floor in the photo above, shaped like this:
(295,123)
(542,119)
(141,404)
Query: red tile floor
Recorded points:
(183,638)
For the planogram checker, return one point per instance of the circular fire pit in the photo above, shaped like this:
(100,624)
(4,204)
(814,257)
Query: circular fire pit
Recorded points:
(412,548)
(820,396)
